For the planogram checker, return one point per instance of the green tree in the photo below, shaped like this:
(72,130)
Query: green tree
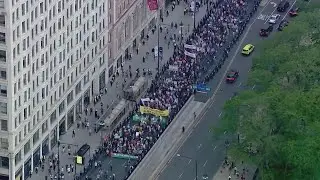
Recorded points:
(278,124)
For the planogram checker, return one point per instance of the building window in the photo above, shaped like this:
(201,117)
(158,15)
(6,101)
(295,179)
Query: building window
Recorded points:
(44,127)
(27,147)
(53,117)
(78,88)
(4,125)
(61,108)
(4,162)
(70,97)
(17,158)
(3,90)
(36,137)
(3,108)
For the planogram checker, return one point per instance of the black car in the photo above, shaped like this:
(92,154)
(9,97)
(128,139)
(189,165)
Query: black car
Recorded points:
(283,6)
(264,32)
(283,24)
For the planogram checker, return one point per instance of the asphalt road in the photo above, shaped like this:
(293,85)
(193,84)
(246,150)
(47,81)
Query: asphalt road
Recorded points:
(201,145)
(118,165)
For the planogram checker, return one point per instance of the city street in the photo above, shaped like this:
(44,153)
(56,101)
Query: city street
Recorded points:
(209,151)
(110,98)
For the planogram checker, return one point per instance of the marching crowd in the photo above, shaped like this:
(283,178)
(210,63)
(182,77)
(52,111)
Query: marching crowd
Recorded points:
(216,33)
(214,37)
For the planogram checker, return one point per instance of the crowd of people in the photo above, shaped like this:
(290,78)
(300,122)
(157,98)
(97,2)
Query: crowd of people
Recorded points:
(214,35)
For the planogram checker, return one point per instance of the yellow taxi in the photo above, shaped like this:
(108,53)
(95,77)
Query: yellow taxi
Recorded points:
(247,49)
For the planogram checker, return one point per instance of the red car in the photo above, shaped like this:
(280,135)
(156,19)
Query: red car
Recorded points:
(293,12)
(232,76)
(266,31)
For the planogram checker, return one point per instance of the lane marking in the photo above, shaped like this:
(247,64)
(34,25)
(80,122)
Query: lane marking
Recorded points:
(253,87)
(212,99)
(288,10)
(220,114)
(214,148)
(204,165)
(270,16)
(110,162)
(180,176)
(189,161)
(240,84)
(274,4)
(124,164)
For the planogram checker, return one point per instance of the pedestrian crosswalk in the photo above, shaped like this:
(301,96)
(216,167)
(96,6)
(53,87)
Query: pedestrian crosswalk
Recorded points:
(264,2)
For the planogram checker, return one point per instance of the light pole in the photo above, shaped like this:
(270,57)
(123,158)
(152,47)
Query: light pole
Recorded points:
(196,163)
(195,59)
(158,43)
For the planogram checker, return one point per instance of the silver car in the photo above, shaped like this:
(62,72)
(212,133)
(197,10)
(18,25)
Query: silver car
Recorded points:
(274,18)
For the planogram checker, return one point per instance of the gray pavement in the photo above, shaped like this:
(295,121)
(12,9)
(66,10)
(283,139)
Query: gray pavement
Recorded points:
(175,16)
(111,97)
(210,151)
(167,142)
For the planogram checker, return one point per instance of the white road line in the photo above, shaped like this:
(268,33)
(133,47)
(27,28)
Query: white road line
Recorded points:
(124,164)
(232,60)
(189,161)
(220,114)
(217,88)
(253,87)
(288,10)
(204,165)
(215,148)
(270,15)
(180,176)
(240,84)
(110,162)
(199,147)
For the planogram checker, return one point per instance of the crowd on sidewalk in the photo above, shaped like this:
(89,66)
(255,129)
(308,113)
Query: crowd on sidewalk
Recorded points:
(216,33)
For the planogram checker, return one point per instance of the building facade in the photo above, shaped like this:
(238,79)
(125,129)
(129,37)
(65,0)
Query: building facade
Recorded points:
(129,22)
(53,59)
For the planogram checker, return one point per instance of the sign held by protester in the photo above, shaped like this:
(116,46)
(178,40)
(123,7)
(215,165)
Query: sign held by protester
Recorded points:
(156,112)
(153,5)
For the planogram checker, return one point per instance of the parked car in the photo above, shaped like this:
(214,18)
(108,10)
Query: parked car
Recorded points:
(283,6)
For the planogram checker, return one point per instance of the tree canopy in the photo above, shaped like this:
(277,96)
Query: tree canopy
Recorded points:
(278,123)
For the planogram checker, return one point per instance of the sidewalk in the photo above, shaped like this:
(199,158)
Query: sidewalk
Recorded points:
(118,167)
(153,162)
(111,97)
(240,171)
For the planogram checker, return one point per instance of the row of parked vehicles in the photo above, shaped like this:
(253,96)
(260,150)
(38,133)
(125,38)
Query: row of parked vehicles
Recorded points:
(273,20)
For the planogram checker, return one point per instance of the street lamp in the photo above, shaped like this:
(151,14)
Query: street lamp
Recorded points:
(195,59)
(196,163)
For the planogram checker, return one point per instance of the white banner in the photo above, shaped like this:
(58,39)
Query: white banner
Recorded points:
(173,68)
(190,46)
(193,55)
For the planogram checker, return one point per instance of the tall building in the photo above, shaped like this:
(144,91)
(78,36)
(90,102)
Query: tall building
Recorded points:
(129,21)
(55,55)
(53,58)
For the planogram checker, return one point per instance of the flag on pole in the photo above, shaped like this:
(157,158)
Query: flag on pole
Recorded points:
(192,6)
(153,4)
